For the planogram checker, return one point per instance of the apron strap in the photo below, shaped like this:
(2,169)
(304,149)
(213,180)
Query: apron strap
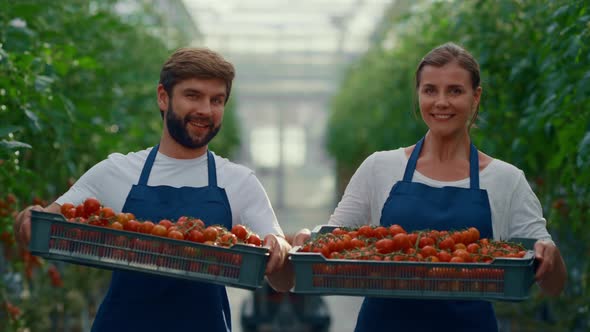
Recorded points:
(473,165)
(147,167)
(473,168)
(211,169)
(411,166)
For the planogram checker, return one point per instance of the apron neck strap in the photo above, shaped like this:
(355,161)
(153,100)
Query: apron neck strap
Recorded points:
(211,169)
(473,168)
(473,164)
(147,167)
(411,166)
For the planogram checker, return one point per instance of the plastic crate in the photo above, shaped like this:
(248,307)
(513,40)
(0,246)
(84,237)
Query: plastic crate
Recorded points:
(507,279)
(53,237)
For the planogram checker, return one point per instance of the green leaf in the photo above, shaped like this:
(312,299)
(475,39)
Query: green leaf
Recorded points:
(34,119)
(583,158)
(14,145)
(42,83)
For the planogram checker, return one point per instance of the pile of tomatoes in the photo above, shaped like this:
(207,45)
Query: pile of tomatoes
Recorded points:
(393,243)
(92,212)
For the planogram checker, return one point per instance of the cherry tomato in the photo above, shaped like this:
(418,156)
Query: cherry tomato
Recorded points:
(196,236)
(401,241)
(254,239)
(146,227)
(240,232)
(65,209)
(210,233)
(132,226)
(165,222)
(396,229)
(159,230)
(91,206)
(384,246)
(174,234)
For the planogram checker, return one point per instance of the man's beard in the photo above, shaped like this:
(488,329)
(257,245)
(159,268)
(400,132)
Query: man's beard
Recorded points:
(177,129)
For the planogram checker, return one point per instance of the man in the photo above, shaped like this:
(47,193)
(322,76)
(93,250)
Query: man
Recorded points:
(179,176)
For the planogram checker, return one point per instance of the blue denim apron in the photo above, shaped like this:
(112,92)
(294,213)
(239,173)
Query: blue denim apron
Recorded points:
(417,206)
(143,302)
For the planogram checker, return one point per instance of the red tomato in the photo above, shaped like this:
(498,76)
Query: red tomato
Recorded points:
(459,246)
(146,227)
(80,213)
(473,248)
(413,237)
(228,239)
(428,251)
(463,254)
(425,241)
(447,244)
(175,235)
(210,233)
(467,238)
(199,223)
(107,212)
(380,232)
(122,218)
(159,230)
(384,246)
(433,259)
(366,231)
(434,234)
(240,232)
(196,236)
(254,239)
(401,241)
(396,229)
(357,243)
(65,208)
(132,226)
(182,221)
(165,222)
(457,237)
(339,231)
(116,225)
(474,233)
(444,256)
(91,206)
(71,213)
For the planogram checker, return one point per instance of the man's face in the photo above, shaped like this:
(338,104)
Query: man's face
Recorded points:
(195,111)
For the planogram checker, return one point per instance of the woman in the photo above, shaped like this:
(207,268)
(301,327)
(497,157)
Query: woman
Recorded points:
(443,182)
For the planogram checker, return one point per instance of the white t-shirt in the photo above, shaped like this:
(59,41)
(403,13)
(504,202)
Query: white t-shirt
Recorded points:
(111,179)
(516,211)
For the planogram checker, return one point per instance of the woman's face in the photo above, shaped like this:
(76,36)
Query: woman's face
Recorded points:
(447,100)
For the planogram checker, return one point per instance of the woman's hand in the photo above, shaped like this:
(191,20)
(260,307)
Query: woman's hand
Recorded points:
(551,273)
(279,271)
(301,237)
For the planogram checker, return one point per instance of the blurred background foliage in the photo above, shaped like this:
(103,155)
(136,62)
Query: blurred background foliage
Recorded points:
(535,62)
(78,81)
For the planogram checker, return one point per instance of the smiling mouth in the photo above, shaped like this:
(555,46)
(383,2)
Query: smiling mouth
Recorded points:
(199,123)
(442,116)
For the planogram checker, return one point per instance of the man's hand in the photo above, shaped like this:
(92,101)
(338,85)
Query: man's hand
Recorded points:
(551,273)
(278,269)
(22,223)
(22,226)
